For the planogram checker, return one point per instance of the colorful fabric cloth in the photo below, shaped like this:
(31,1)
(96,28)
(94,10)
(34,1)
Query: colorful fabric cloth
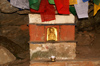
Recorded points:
(51,1)
(23,4)
(72,10)
(82,9)
(46,10)
(96,2)
(62,6)
(34,4)
(85,0)
(96,8)
(72,2)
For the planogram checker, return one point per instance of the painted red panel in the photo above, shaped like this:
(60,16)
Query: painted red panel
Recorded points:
(36,33)
(64,32)
(67,32)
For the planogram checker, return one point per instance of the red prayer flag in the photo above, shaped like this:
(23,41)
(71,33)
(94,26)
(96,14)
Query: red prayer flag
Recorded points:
(46,10)
(62,6)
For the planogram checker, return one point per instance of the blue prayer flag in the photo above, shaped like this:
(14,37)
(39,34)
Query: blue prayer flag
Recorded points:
(85,0)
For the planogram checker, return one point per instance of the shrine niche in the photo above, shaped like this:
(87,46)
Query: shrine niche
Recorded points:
(51,34)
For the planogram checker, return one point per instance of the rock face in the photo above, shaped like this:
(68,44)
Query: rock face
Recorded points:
(23,12)
(14,27)
(89,24)
(6,56)
(85,38)
(10,45)
(6,7)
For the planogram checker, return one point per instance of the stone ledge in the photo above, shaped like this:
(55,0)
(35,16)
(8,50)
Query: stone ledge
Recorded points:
(44,51)
(60,19)
(66,63)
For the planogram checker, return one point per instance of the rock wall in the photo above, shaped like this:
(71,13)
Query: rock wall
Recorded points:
(6,7)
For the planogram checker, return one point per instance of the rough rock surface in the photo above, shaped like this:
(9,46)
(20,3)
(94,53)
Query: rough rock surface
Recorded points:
(84,38)
(14,27)
(89,24)
(24,55)
(10,45)
(6,7)
(23,12)
(6,56)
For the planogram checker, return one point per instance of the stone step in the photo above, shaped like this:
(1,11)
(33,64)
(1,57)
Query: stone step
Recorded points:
(67,63)
(62,51)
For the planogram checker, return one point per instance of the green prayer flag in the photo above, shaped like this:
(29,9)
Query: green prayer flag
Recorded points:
(34,4)
(72,10)
(51,1)
(96,2)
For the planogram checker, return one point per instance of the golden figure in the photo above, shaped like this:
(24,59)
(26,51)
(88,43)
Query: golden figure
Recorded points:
(51,34)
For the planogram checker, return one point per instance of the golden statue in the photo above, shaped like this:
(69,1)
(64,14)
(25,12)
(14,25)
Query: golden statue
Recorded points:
(51,34)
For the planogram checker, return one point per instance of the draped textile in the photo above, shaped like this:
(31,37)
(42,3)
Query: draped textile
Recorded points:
(96,8)
(85,0)
(82,9)
(23,4)
(51,1)
(72,2)
(96,2)
(46,10)
(62,6)
(72,10)
(34,4)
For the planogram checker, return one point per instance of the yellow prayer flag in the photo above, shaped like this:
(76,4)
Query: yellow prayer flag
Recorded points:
(72,2)
(96,8)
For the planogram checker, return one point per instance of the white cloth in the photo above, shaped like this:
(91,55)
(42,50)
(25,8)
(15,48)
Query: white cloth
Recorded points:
(23,4)
(82,9)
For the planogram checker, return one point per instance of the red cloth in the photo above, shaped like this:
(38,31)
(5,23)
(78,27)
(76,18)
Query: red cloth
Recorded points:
(46,10)
(62,6)
(41,8)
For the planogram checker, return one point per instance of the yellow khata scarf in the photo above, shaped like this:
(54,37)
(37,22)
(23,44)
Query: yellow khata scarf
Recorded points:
(72,2)
(96,8)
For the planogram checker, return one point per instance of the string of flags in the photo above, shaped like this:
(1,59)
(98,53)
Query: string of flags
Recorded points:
(82,9)
(47,10)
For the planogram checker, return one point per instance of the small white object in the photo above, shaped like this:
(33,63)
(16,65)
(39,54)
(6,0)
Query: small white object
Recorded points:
(52,56)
